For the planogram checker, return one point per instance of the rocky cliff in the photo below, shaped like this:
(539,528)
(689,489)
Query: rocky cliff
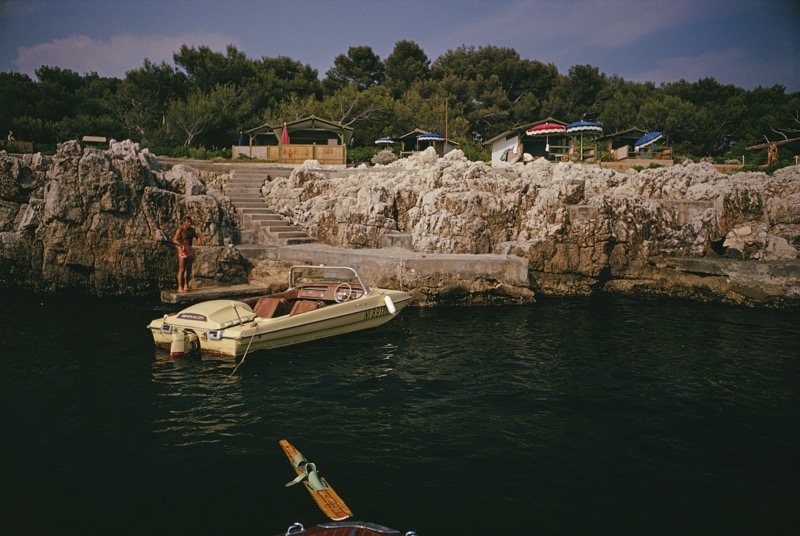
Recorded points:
(101,222)
(685,230)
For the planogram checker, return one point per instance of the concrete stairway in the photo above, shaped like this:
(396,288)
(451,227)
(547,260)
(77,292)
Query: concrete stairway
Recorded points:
(260,226)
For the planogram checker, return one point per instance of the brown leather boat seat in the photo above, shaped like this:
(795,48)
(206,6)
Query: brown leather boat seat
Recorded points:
(305,306)
(268,307)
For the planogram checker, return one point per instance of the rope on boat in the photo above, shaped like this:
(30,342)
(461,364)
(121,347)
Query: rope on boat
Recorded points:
(237,365)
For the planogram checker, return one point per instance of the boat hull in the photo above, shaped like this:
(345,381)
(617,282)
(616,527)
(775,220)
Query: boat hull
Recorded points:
(254,333)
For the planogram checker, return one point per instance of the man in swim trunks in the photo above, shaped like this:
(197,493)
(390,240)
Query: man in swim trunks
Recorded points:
(183,239)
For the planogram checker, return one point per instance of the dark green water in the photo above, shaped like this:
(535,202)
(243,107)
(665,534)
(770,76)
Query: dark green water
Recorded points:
(577,416)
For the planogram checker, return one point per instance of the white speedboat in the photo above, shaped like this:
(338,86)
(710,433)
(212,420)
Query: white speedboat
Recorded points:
(321,301)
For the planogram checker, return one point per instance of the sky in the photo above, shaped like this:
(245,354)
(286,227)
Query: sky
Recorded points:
(747,43)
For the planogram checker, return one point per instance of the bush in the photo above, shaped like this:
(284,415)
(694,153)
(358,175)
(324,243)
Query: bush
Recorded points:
(384,157)
(195,153)
(475,151)
(362,155)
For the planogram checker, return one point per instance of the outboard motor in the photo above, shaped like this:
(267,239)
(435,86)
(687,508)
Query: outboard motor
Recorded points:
(182,343)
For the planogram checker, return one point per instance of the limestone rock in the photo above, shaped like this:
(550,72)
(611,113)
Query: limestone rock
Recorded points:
(102,221)
(579,226)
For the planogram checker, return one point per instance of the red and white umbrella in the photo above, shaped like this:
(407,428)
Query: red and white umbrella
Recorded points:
(547,129)
(285,135)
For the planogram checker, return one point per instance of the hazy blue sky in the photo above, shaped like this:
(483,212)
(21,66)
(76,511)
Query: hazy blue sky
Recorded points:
(748,43)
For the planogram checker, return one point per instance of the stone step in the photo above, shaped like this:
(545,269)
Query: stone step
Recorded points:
(250,183)
(232,191)
(249,204)
(289,234)
(252,251)
(262,216)
(242,190)
(246,181)
(255,185)
(295,241)
(250,173)
(245,193)
(262,224)
(256,207)
(280,228)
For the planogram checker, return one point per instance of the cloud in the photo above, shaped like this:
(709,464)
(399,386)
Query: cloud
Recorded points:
(581,23)
(115,56)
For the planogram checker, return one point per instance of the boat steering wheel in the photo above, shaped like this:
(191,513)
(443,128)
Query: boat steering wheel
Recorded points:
(342,292)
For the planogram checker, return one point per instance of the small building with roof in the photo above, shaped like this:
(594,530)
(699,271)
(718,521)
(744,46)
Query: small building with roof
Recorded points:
(418,140)
(622,146)
(509,146)
(309,138)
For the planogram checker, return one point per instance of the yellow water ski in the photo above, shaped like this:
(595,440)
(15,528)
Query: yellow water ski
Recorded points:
(322,492)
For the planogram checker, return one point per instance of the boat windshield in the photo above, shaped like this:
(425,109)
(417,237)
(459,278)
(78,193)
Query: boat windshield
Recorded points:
(302,275)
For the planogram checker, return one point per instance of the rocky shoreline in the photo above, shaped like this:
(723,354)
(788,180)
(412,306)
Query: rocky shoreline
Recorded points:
(98,222)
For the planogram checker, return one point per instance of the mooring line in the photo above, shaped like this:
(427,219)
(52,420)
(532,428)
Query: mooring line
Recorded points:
(237,365)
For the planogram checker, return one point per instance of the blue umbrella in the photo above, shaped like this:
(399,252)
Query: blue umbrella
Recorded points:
(385,141)
(241,139)
(648,139)
(430,136)
(584,127)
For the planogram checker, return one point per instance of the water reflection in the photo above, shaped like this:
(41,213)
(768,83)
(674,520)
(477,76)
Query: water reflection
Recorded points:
(200,400)
(624,410)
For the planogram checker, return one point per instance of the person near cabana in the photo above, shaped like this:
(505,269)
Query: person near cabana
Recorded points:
(772,153)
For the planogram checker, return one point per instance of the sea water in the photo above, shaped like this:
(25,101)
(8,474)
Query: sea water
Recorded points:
(602,415)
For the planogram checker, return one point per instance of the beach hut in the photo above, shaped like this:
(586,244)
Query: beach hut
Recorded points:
(294,142)
(419,140)
(511,145)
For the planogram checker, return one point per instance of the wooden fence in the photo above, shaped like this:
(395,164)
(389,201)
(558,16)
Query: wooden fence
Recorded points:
(326,155)
(17,146)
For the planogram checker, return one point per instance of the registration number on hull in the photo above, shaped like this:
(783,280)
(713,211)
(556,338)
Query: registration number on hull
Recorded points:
(369,314)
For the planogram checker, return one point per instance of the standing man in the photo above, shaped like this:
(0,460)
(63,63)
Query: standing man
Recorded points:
(183,239)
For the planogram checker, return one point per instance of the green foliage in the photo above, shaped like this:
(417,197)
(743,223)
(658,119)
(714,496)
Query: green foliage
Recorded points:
(362,155)
(493,88)
(406,65)
(579,94)
(367,111)
(471,94)
(475,151)
(360,66)
(194,153)
(15,100)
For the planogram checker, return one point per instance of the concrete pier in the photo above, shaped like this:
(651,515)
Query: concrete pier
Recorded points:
(393,267)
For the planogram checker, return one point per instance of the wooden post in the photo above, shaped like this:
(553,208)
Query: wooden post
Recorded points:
(446,127)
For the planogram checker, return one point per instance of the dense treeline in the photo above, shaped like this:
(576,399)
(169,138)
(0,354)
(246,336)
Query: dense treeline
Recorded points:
(208,97)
